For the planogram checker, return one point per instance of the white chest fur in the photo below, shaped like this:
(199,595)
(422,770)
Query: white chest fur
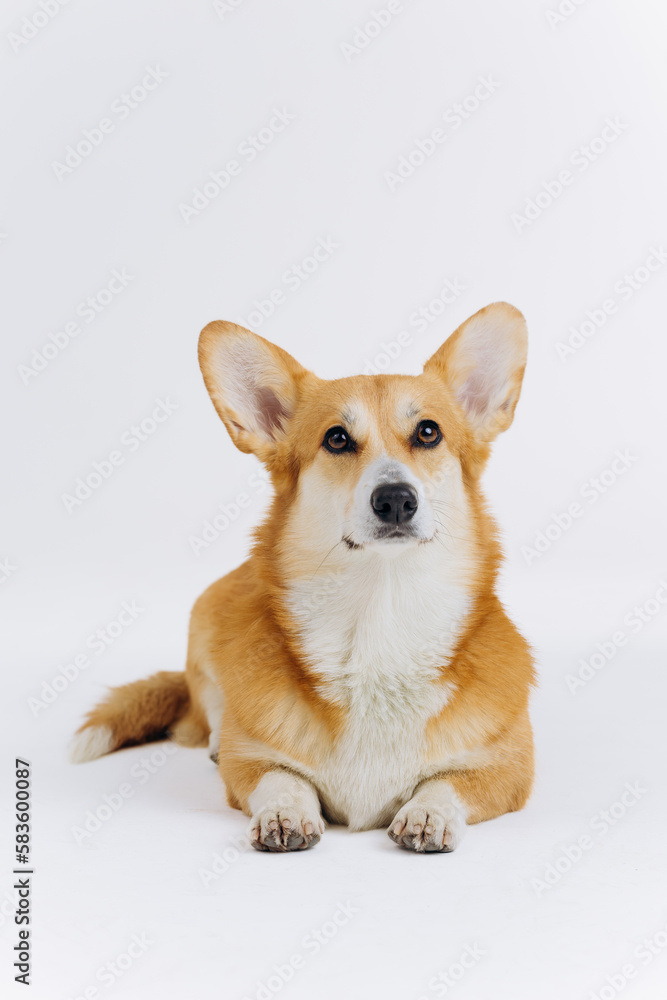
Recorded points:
(377,635)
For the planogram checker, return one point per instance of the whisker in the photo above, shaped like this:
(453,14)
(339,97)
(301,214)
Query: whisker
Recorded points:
(325,559)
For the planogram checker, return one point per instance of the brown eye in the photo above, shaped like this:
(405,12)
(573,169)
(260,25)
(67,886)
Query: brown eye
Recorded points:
(427,434)
(337,439)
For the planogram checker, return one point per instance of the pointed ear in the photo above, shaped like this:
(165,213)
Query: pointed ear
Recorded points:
(253,385)
(483,363)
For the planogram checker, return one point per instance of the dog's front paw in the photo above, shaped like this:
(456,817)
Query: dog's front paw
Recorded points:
(285,829)
(427,829)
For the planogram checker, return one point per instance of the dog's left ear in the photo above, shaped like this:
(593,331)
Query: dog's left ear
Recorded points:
(483,363)
(253,383)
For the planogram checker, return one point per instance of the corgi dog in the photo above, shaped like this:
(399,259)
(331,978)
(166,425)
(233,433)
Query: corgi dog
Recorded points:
(358,668)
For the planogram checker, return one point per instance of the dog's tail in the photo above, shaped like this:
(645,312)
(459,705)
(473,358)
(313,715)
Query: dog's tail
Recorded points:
(131,714)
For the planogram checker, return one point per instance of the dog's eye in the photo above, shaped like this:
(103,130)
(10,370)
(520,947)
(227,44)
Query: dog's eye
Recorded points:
(427,434)
(337,439)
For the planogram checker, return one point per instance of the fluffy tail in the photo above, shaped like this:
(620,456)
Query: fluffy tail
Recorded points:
(131,714)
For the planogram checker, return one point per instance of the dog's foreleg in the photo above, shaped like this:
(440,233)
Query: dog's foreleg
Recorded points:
(286,813)
(433,820)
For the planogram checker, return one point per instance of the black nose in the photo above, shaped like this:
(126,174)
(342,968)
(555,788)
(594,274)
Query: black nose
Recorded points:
(394,503)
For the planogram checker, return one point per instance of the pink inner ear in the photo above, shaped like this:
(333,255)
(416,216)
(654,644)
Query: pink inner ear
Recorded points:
(247,372)
(269,410)
(475,392)
(487,385)
(483,363)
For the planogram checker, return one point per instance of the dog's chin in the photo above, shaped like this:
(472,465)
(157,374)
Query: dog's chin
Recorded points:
(389,541)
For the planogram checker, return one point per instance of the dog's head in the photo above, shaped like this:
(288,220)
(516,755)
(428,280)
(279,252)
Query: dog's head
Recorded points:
(376,462)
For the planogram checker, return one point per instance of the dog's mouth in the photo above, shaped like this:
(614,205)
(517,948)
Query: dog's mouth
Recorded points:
(392,535)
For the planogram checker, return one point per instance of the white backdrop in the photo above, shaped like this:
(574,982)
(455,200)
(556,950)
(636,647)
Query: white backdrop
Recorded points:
(383,171)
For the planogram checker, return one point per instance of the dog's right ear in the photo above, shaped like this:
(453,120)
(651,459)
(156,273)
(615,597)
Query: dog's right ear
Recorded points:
(253,384)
